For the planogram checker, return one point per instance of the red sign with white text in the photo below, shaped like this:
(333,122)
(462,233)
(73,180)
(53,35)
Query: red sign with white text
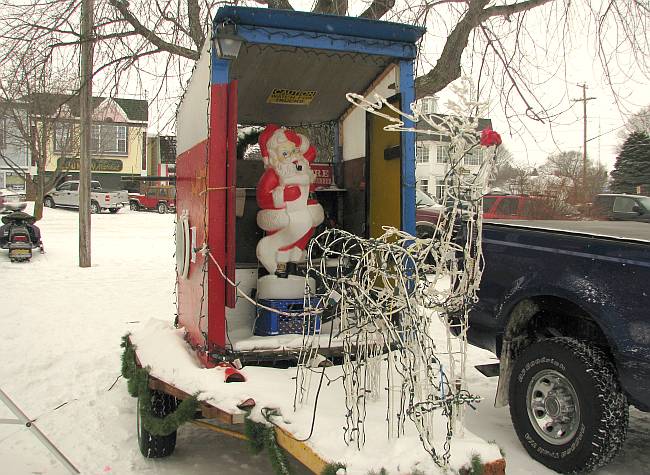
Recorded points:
(324,173)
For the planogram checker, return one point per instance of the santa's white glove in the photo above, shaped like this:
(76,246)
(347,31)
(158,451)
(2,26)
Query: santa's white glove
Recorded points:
(278,197)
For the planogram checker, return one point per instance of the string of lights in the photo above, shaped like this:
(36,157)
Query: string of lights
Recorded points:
(386,293)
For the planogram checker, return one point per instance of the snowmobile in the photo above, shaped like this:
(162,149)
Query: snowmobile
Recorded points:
(20,235)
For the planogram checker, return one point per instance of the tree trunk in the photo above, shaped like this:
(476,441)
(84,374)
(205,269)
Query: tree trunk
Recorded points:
(38,200)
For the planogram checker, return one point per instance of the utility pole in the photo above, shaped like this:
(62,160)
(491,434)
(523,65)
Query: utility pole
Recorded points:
(86,109)
(584,138)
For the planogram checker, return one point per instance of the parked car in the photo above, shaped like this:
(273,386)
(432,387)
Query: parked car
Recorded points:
(11,201)
(564,305)
(161,198)
(526,207)
(427,211)
(622,207)
(67,195)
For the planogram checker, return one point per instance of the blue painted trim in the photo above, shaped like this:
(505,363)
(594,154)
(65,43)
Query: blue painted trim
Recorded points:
(331,42)
(318,23)
(407,94)
(219,69)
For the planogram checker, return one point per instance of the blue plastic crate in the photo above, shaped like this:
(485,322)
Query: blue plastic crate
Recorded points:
(270,323)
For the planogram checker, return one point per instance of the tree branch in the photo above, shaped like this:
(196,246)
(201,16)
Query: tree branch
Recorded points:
(332,7)
(507,10)
(149,35)
(277,4)
(377,9)
(447,69)
(131,57)
(13,166)
(194,19)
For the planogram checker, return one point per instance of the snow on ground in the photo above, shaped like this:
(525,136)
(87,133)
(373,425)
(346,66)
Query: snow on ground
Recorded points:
(60,345)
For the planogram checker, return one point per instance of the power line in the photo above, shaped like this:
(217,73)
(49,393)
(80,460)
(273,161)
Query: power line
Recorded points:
(605,133)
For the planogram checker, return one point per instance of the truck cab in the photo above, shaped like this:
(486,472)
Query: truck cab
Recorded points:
(622,207)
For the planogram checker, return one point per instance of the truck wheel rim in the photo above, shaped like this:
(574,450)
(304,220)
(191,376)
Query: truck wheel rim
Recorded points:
(553,407)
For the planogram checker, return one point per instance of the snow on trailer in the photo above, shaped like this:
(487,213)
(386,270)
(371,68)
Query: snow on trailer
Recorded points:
(244,296)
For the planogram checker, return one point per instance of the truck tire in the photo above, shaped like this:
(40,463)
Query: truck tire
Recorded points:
(49,202)
(425,230)
(162,207)
(94,207)
(157,446)
(134,205)
(567,406)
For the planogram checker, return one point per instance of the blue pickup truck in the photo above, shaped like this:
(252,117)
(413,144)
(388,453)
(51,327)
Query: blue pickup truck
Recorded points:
(566,307)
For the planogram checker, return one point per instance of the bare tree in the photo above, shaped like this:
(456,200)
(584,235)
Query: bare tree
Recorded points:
(638,122)
(496,40)
(39,120)
(567,166)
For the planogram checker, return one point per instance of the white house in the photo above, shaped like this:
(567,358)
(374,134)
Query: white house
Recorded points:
(14,150)
(432,153)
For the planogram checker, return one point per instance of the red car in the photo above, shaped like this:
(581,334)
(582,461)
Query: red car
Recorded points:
(525,207)
(495,207)
(160,198)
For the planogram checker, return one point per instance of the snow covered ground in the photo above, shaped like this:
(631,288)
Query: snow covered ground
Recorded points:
(60,345)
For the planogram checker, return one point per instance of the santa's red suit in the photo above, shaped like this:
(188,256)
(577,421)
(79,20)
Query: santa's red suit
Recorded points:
(287,214)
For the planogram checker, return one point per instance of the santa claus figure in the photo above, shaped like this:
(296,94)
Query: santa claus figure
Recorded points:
(287,214)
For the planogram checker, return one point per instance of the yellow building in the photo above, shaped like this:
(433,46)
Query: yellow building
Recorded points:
(118,138)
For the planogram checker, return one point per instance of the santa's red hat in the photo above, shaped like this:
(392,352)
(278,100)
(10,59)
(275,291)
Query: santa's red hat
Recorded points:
(265,136)
(300,141)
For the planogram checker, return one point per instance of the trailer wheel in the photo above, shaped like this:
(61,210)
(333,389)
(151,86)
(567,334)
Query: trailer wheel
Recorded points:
(567,406)
(157,446)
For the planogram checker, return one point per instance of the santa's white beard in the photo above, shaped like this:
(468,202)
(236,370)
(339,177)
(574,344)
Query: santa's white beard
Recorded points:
(284,170)
(289,173)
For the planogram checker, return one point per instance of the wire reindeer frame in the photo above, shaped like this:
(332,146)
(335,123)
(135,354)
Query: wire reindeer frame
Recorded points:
(387,291)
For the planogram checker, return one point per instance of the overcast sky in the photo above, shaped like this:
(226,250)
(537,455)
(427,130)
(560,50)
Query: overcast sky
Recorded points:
(558,67)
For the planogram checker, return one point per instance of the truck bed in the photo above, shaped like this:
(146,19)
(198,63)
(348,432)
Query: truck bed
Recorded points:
(598,270)
(628,230)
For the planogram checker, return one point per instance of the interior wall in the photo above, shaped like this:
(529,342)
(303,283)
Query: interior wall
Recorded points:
(354,124)
(354,166)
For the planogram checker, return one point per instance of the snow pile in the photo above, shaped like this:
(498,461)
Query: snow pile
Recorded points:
(60,345)
(162,348)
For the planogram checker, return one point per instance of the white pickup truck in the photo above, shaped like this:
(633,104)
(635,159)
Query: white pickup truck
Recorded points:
(67,195)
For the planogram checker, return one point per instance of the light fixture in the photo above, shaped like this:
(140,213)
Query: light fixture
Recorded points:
(226,42)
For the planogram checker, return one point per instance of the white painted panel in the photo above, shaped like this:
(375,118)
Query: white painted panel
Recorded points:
(192,115)
(354,125)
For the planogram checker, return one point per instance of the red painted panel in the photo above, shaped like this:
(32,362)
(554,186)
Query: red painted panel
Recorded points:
(217,205)
(232,192)
(192,295)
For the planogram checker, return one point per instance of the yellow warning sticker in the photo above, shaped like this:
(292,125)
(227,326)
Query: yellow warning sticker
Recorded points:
(291,96)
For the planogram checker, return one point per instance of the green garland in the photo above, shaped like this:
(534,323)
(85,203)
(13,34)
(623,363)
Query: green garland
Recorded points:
(138,386)
(333,468)
(261,437)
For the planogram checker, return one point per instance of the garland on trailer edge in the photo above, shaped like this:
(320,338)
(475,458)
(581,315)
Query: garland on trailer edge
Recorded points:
(138,386)
(262,436)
